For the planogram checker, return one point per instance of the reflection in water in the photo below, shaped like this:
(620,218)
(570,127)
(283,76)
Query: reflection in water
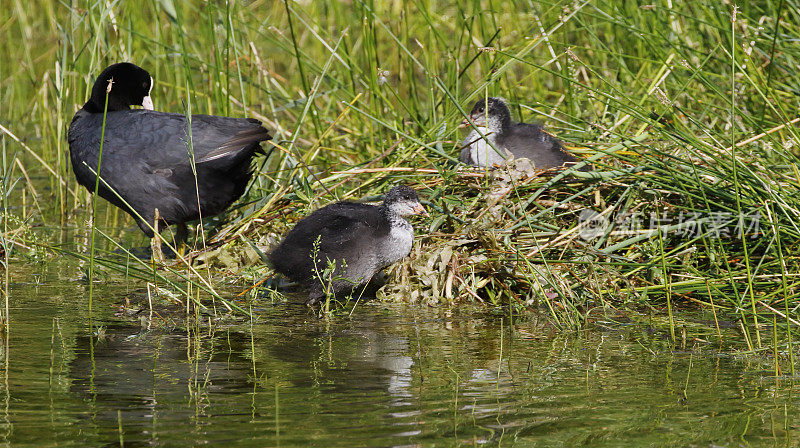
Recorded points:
(148,376)
(153,377)
(385,376)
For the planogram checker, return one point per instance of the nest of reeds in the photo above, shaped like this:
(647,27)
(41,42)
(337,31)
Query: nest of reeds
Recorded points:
(629,233)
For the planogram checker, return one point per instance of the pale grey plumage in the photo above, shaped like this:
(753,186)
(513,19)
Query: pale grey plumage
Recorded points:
(502,137)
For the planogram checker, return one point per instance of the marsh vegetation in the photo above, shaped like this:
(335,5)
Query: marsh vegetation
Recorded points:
(687,112)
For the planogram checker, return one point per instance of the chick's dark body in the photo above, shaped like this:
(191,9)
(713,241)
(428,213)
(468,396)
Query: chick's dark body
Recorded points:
(502,136)
(344,231)
(530,141)
(360,239)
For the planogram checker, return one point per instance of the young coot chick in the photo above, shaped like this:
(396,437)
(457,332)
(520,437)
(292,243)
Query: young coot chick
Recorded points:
(493,119)
(361,239)
(147,155)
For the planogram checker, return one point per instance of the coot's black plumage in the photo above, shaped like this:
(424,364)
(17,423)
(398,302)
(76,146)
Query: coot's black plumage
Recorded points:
(146,155)
(361,239)
(493,119)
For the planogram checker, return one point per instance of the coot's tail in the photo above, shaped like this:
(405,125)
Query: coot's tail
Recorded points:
(241,146)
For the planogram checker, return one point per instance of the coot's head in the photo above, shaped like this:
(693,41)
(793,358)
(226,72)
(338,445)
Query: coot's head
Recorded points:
(130,86)
(490,113)
(402,200)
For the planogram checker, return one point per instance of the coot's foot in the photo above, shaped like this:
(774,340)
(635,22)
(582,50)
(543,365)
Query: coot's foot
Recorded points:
(315,295)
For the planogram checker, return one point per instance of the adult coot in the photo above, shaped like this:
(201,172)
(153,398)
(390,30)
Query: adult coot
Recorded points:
(492,118)
(149,159)
(360,239)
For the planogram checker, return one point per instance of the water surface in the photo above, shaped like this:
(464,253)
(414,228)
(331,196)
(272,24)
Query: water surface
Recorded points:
(386,375)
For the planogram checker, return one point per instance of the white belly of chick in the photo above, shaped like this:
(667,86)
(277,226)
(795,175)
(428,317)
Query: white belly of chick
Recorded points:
(482,153)
(398,243)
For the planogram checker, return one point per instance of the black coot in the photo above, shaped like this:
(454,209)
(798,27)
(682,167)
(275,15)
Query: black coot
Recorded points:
(147,156)
(493,119)
(361,239)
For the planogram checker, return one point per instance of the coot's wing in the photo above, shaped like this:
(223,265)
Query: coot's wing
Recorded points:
(530,141)
(222,148)
(166,141)
(225,141)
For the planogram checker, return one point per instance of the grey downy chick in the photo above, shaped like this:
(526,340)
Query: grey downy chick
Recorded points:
(359,239)
(492,118)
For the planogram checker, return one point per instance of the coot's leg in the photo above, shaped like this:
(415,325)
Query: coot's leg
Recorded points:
(315,295)
(375,283)
(181,235)
(155,242)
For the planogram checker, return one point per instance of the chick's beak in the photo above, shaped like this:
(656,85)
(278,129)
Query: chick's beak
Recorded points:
(419,210)
(147,103)
(477,120)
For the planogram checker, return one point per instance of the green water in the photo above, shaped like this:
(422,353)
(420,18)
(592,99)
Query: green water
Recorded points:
(387,375)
